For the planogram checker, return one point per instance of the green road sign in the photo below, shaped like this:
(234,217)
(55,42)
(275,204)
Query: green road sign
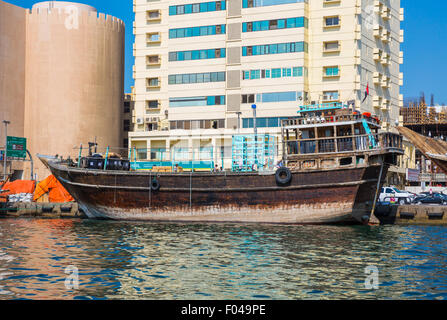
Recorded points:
(16,147)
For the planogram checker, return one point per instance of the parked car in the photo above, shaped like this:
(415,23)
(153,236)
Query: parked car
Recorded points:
(402,197)
(433,198)
(428,193)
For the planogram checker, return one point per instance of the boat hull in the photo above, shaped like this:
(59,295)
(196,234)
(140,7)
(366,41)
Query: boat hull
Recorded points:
(312,197)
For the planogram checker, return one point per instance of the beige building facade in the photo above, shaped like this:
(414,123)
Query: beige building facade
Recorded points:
(12,74)
(128,112)
(67,64)
(201,66)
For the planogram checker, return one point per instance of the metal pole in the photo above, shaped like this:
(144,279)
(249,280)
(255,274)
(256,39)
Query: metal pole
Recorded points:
(107,157)
(32,164)
(254,120)
(256,132)
(239,122)
(5,156)
(79,156)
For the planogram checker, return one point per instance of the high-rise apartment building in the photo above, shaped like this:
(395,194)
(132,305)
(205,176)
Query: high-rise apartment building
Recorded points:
(200,66)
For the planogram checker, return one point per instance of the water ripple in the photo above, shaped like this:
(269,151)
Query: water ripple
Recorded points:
(119,260)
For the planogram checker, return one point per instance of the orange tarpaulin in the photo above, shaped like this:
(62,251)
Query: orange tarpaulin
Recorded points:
(17,187)
(57,192)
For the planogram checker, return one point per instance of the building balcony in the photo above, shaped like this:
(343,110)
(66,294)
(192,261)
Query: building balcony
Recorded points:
(153,16)
(153,60)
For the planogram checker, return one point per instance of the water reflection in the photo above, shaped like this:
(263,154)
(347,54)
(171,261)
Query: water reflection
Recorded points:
(209,261)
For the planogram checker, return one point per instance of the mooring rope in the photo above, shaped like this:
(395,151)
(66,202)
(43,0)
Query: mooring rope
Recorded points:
(379,180)
(114,195)
(150,189)
(190,192)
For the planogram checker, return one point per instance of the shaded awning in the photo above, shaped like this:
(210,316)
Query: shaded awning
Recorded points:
(433,149)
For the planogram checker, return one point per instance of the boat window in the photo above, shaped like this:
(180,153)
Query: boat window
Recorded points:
(344,131)
(345,144)
(345,161)
(308,147)
(326,146)
(292,147)
(308,134)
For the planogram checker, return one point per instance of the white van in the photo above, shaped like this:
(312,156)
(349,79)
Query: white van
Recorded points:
(402,197)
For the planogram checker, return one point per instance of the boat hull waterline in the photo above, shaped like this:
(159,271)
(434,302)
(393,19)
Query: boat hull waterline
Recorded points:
(312,197)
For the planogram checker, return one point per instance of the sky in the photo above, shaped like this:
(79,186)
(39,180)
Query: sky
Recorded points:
(425,47)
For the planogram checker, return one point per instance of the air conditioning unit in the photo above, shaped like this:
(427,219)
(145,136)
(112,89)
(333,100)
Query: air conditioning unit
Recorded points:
(155,119)
(148,120)
(140,120)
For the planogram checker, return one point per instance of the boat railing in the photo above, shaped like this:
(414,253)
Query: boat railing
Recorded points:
(328,119)
(355,143)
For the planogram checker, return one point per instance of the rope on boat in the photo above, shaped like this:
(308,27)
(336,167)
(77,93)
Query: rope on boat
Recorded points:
(190,189)
(378,187)
(150,189)
(114,195)
(190,192)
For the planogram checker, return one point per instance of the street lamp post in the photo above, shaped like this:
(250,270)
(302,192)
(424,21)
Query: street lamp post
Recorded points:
(256,132)
(6,146)
(254,119)
(239,122)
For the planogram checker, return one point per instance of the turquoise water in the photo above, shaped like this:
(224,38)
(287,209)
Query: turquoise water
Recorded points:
(117,260)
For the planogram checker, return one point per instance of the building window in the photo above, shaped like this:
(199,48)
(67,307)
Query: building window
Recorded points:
(330,96)
(278,97)
(332,21)
(196,78)
(142,154)
(331,71)
(196,101)
(153,82)
(275,122)
(126,125)
(152,104)
(153,60)
(263,3)
(197,8)
(265,25)
(197,124)
(276,73)
(126,107)
(197,54)
(248,98)
(153,15)
(196,31)
(153,37)
(331,46)
(275,48)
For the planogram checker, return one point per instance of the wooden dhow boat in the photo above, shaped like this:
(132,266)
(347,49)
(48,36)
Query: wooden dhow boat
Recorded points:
(333,165)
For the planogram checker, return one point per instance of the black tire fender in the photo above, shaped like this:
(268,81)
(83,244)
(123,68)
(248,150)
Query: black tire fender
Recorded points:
(283,176)
(155,185)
